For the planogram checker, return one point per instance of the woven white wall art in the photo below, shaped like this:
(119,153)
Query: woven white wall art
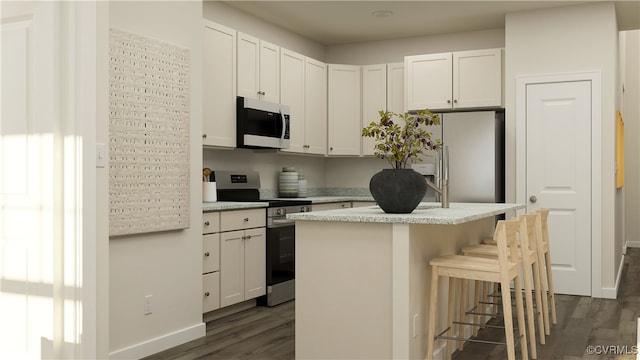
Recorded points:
(148,135)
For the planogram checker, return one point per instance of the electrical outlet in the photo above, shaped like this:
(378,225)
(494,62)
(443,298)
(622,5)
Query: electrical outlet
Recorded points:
(147,304)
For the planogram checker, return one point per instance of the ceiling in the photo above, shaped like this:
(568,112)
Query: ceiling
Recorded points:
(343,22)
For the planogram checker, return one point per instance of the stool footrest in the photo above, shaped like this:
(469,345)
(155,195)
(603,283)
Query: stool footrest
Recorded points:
(479,325)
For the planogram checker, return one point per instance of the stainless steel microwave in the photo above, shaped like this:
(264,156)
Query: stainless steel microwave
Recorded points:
(261,124)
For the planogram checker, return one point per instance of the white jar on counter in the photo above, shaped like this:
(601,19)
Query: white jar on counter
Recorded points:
(302,186)
(288,184)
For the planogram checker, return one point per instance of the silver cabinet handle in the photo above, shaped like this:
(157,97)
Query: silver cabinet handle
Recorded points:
(206,294)
(533,199)
(448,101)
(248,237)
(206,254)
(455,101)
(207,223)
(204,136)
(331,148)
(246,219)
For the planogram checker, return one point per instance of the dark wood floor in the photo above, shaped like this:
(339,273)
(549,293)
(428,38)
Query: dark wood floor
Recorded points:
(268,333)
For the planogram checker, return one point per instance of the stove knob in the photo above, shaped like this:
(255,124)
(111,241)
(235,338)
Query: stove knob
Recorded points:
(303,209)
(279,212)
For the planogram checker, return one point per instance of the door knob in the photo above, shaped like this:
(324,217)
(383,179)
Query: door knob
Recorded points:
(533,199)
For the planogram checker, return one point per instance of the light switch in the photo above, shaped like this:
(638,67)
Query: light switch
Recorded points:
(101,155)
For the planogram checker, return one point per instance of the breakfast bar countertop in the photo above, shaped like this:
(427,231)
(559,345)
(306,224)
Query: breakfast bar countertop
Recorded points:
(425,213)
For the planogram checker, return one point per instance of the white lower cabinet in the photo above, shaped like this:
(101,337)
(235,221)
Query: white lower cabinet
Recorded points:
(242,265)
(331,206)
(210,292)
(233,257)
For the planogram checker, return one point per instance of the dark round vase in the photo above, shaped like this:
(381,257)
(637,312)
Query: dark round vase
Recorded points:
(398,191)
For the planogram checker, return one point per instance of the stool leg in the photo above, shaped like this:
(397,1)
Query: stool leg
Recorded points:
(544,288)
(485,296)
(477,298)
(451,316)
(526,270)
(433,306)
(539,307)
(462,312)
(508,321)
(554,318)
(521,325)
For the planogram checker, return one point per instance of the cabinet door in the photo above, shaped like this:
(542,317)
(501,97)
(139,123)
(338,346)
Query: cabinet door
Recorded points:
(210,292)
(255,254)
(219,86)
(231,267)
(315,91)
(292,95)
(477,78)
(269,73)
(395,87)
(374,99)
(248,66)
(210,253)
(344,110)
(428,81)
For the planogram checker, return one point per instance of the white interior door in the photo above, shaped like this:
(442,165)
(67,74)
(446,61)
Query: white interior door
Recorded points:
(558,176)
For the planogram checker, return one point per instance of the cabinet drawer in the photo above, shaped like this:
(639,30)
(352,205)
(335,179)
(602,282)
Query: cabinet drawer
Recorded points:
(210,222)
(210,292)
(331,206)
(210,253)
(242,219)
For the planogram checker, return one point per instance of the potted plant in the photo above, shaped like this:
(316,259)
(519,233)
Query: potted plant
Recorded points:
(400,139)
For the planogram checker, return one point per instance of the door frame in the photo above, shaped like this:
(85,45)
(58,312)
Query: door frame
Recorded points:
(594,77)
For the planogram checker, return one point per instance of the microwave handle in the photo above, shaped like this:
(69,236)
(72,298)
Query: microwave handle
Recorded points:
(284,125)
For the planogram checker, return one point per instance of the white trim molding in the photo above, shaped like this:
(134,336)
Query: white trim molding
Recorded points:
(596,158)
(160,343)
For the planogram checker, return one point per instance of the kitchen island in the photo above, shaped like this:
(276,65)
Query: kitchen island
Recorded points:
(362,276)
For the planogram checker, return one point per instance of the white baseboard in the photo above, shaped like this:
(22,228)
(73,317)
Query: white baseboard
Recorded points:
(161,343)
(612,293)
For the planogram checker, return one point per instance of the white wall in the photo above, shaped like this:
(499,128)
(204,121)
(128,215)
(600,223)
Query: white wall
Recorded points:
(569,39)
(249,24)
(630,71)
(389,51)
(166,265)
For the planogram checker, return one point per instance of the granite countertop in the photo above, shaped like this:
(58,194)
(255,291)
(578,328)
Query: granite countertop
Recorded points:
(426,213)
(231,205)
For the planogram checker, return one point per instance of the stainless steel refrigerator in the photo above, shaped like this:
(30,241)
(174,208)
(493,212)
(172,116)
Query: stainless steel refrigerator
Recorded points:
(476,155)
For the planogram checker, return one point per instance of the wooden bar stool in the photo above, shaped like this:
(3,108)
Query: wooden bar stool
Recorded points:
(544,253)
(528,239)
(503,269)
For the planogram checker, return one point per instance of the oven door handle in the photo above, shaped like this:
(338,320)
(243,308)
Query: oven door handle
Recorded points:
(281,223)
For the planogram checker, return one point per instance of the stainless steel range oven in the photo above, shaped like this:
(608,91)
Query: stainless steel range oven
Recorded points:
(281,234)
(281,252)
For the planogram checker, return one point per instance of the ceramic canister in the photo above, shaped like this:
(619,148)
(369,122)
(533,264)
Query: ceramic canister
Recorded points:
(288,184)
(302,186)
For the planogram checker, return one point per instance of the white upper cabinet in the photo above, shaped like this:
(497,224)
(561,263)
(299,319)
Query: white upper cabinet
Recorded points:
(395,87)
(466,79)
(315,99)
(258,69)
(292,95)
(428,81)
(477,78)
(344,82)
(219,86)
(374,99)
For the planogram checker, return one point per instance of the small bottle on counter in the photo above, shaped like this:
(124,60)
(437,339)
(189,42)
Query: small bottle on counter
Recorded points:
(288,182)
(302,186)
